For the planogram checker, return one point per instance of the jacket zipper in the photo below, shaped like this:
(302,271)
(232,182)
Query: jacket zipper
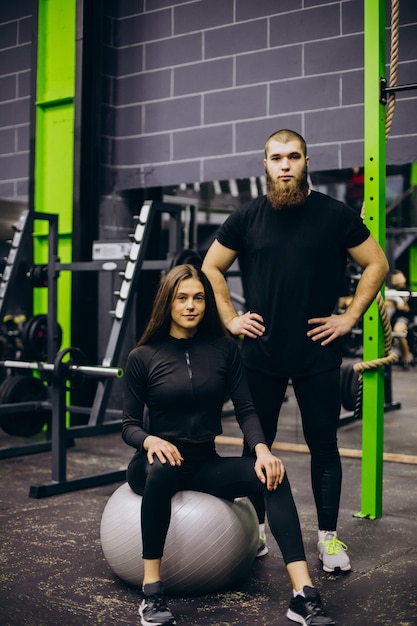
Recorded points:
(187,358)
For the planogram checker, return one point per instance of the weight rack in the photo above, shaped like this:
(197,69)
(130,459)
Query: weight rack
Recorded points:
(57,374)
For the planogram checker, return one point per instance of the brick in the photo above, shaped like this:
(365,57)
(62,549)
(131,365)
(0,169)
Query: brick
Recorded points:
(8,35)
(143,87)
(268,65)
(239,166)
(13,113)
(174,51)
(13,163)
(14,10)
(322,158)
(352,87)
(7,141)
(204,76)
(141,28)
(407,45)
(128,60)
(8,89)
(352,154)
(402,150)
(159,175)
(305,94)
(202,15)
(236,39)
(305,25)
(341,124)
(25,27)
(23,84)
(407,74)
(172,114)
(332,55)
(22,188)
(352,17)
(23,138)
(408,12)
(7,190)
(202,142)
(124,8)
(405,117)
(15,59)
(153,5)
(128,121)
(145,149)
(249,9)
(251,135)
(235,104)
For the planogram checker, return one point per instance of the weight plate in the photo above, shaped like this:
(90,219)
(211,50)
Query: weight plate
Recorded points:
(35,337)
(23,388)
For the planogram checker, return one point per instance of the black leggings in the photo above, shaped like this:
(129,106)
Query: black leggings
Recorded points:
(225,477)
(318,398)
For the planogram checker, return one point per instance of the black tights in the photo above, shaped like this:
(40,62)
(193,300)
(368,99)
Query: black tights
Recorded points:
(318,398)
(225,477)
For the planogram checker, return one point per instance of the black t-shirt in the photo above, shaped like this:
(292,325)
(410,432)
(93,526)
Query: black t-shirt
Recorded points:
(292,264)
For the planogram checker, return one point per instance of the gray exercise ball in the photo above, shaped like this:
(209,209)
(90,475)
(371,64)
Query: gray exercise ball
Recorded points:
(211,543)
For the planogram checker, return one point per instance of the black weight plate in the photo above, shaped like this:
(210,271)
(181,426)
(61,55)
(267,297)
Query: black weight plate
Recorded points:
(23,388)
(35,337)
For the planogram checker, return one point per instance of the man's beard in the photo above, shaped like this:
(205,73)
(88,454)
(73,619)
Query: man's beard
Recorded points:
(293,193)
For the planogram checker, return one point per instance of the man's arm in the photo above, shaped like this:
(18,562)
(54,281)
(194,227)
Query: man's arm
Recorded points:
(370,256)
(216,262)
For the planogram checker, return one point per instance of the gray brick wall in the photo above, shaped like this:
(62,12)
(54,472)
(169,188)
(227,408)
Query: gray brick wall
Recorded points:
(15,63)
(193,87)
(198,85)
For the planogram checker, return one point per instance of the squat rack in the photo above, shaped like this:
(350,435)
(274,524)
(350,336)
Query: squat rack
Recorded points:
(58,372)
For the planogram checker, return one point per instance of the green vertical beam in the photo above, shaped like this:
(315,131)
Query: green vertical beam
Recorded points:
(54,146)
(373,337)
(412,269)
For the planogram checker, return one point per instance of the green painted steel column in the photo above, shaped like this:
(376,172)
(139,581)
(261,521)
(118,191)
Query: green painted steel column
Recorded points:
(53,188)
(412,269)
(373,336)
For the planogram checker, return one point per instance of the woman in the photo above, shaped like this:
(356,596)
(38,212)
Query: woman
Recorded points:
(181,369)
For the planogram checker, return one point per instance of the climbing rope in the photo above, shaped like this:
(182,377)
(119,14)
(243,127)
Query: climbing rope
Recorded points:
(393,74)
(389,356)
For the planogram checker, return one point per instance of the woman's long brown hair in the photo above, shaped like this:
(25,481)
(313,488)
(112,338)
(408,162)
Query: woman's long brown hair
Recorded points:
(159,323)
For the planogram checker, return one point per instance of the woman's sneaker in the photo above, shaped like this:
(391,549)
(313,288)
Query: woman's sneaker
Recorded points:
(262,547)
(153,610)
(308,609)
(332,553)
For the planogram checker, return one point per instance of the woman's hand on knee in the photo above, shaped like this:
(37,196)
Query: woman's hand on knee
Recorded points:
(164,450)
(269,469)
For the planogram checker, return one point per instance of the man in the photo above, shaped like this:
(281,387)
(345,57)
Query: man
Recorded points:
(292,246)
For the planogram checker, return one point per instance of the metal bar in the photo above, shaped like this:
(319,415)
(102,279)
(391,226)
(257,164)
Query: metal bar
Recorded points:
(373,342)
(390,90)
(85,370)
(87,482)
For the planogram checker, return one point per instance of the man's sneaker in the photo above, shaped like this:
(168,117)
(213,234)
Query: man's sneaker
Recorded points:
(332,553)
(308,610)
(262,547)
(153,610)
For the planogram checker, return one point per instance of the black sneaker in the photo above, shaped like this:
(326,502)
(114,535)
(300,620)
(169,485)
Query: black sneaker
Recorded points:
(153,610)
(308,610)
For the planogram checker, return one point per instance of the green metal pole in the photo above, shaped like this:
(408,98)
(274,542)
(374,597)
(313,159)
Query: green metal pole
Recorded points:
(55,87)
(373,336)
(412,269)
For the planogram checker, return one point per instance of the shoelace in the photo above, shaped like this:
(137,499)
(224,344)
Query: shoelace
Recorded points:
(315,606)
(159,602)
(334,546)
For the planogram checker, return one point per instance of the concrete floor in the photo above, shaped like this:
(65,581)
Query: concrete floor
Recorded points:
(52,569)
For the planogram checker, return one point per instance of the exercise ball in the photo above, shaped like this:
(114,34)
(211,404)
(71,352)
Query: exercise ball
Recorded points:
(211,543)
